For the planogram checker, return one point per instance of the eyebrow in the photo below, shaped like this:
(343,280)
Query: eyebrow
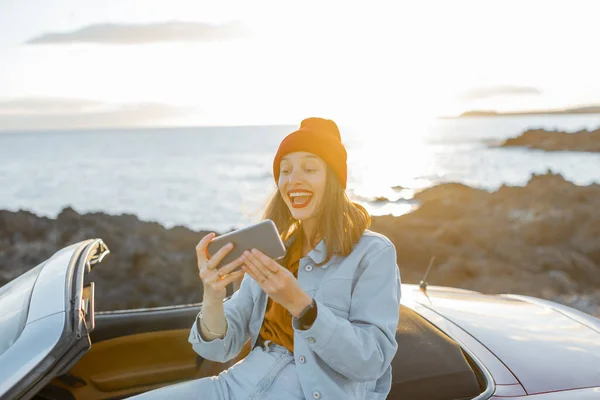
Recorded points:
(305,157)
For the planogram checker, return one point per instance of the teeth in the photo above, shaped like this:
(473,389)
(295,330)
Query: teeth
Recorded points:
(300,194)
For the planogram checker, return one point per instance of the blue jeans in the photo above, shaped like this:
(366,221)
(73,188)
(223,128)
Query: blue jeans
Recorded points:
(267,373)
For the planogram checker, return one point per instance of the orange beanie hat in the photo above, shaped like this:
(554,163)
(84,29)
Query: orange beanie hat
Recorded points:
(320,137)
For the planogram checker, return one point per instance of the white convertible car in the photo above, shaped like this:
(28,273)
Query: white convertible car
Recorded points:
(453,344)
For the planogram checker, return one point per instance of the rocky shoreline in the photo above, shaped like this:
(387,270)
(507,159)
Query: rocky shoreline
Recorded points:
(541,240)
(583,140)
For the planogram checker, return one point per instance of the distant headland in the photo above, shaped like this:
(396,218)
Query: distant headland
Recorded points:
(492,113)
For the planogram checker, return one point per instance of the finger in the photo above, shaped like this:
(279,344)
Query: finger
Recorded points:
(219,255)
(267,261)
(216,281)
(201,246)
(253,262)
(227,279)
(253,274)
(227,268)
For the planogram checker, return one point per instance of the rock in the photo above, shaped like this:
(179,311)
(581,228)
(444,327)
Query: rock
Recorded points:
(380,199)
(148,266)
(556,140)
(586,240)
(541,240)
(562,278)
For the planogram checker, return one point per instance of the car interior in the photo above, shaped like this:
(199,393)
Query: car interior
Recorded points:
(139,350)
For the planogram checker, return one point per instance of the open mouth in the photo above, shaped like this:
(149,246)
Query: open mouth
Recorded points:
(300,198)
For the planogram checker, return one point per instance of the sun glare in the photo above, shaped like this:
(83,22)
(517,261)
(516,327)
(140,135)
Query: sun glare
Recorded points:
(388,153)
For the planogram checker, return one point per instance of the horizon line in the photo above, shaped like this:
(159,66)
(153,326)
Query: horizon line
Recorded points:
(490,114)
(141,127)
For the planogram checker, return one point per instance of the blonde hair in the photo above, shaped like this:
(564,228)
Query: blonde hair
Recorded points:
(341,222)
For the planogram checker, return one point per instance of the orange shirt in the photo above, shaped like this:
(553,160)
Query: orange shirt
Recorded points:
(277,325)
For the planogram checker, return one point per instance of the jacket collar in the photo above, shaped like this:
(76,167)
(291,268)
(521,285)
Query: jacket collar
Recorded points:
(318,254)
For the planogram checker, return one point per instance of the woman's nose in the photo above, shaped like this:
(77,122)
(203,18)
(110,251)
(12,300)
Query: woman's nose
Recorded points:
(295,176)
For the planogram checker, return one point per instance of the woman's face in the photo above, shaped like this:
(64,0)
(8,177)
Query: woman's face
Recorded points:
(302,179)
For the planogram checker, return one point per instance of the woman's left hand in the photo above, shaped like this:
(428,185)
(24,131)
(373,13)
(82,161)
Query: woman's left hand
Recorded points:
(276,281)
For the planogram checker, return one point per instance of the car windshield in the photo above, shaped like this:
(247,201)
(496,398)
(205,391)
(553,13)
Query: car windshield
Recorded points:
(14,306)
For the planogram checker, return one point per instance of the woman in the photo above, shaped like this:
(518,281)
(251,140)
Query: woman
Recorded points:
(322,323)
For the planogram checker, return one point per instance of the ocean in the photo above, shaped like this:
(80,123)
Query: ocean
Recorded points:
(219,178)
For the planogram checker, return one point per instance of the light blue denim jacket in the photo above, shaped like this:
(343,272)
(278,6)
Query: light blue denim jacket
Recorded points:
(347,352)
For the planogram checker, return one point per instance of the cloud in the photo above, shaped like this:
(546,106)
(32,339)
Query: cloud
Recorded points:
(122,34)
(502,90)
(48,113)
(47,105)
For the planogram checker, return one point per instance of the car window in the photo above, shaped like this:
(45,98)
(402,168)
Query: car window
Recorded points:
(14,306)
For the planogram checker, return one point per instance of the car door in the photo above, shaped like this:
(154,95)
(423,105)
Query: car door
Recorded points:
(54,318)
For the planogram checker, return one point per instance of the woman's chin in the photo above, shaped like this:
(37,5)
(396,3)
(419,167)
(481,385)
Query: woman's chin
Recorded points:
(301,214)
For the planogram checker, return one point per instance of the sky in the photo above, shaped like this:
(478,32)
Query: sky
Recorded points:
(80,63)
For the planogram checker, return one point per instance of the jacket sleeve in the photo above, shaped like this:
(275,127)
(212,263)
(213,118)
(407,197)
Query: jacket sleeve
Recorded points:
(362,346)
(238,310)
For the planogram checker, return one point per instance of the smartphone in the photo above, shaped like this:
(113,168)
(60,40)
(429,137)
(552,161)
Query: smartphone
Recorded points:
(262,236)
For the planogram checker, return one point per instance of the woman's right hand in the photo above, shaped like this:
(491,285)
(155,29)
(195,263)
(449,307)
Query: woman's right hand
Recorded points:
(215,280)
